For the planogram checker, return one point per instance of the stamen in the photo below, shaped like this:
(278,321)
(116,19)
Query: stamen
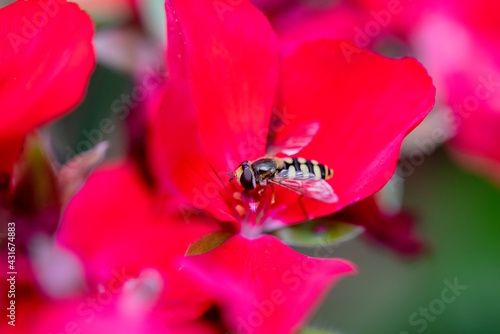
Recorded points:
(241,210)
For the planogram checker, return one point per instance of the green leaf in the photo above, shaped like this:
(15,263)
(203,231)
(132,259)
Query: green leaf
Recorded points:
(208,242)
(318,233)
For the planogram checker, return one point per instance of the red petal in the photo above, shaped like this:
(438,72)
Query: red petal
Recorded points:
(365,103)
(47,58)
(230,55)
(264,285)
(177,158)
(115,227)
(468,82)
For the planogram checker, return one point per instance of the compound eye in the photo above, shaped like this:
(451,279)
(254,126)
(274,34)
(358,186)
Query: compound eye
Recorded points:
(247,179)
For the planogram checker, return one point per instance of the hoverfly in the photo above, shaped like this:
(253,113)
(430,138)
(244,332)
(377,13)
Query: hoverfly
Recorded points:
(305,177)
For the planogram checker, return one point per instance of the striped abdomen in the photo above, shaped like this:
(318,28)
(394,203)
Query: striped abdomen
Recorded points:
(307,166)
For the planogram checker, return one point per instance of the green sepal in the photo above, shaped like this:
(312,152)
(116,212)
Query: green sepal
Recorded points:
(319,232)
(208,242)
(36,186)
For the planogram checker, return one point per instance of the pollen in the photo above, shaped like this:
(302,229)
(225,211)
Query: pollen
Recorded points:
(237,196)
(241,210)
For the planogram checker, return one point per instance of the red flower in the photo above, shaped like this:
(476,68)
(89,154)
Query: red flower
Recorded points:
(356,100)
(482,14)
(226,77)
(47,58)
(125,309)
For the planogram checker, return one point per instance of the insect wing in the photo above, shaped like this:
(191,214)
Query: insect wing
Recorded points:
(306,184)
(296,141)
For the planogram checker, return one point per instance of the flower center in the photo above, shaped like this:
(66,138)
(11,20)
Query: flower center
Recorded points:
(252,208)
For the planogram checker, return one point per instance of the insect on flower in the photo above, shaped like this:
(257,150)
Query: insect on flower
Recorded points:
(305,177)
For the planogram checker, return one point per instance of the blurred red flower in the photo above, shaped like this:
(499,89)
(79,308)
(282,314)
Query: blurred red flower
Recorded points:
(47,58)
(114,264)
(458,43)
(130,232)
(468,78)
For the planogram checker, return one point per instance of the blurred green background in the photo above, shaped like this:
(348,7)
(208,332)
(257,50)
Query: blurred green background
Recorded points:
(74,133)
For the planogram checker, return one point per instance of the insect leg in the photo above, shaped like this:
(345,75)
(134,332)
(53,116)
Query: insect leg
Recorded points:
(303,207)
(273,197)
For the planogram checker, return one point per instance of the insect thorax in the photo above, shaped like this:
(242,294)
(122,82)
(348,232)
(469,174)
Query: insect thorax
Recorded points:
(263,168)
